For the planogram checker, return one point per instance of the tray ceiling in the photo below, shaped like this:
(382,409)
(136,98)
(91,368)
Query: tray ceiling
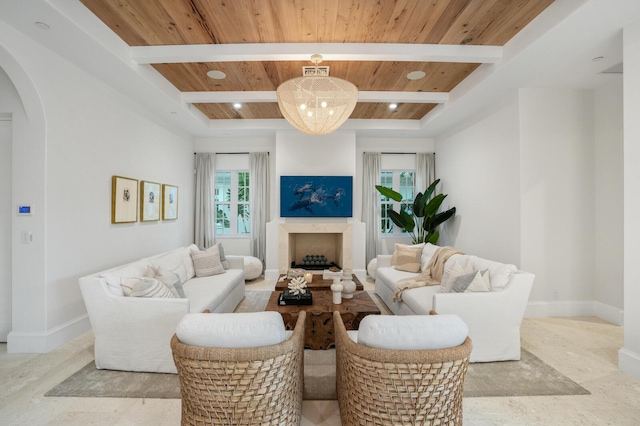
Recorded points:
(260,44)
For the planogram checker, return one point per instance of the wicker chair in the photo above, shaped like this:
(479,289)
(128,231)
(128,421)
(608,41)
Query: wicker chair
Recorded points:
(249,386)
(399,387)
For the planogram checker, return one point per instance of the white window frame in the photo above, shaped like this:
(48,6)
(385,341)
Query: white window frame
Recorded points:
(395,185)
(233,205)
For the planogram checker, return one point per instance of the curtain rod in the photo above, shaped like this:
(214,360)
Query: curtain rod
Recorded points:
(405,153)
(230,153)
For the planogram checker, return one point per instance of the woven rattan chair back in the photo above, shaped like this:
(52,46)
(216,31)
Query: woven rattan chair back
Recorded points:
(249,386)
(399,387)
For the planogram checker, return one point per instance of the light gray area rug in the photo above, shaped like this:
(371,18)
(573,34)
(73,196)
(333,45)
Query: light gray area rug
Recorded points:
(528,377)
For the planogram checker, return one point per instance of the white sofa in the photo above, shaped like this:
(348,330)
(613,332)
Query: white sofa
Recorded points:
(134,333)
(493,317)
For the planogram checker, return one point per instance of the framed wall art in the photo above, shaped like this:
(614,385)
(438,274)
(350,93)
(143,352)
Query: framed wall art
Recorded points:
(150,201)
(169,202)
(316,196)
(124,200)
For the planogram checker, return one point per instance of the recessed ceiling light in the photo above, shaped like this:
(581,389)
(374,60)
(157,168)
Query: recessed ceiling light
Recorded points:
(393,106)
(416,75)
(237,106)
(42,25)
(216,75)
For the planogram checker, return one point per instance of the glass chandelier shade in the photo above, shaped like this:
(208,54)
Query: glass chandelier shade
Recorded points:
(317,104)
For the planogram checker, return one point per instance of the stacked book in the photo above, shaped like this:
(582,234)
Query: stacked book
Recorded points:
(330,275)
(288,297)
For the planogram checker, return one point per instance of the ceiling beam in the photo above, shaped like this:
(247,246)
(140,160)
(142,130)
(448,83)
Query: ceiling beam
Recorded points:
(270,96)
(303,52)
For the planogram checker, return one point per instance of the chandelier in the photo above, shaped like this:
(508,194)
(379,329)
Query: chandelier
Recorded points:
(317,104)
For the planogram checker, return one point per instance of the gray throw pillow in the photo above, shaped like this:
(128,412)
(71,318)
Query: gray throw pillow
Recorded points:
(223,259)
(463,282)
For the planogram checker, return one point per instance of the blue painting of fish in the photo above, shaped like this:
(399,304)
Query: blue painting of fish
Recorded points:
(316,196)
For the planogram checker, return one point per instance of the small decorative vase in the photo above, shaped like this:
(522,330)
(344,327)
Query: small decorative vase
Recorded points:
(336,290)
(348,286)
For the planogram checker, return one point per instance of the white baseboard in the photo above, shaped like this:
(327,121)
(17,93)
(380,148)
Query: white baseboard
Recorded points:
(271,274)
(5,328)
(43,342)
(629,363)
(574,309)
(609,313)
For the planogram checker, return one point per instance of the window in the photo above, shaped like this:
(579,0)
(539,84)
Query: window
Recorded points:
(401,181)
(232,203)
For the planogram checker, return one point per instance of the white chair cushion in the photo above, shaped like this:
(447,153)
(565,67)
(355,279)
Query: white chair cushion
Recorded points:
(235,330)
(414,332)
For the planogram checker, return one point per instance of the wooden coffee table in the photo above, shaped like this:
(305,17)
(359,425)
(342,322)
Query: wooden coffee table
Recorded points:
(318,333)
(317,284)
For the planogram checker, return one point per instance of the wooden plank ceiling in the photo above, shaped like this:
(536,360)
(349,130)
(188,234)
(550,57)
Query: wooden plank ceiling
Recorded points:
(197,22)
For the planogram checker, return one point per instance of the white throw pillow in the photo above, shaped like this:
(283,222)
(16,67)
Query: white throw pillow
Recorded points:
(173,262)
(481,282)
(171,280)
(427,253)
(235,330)
(145,287)
(207,263)
(458,269)
(113,278)
(185,255)
(414,332)
(500,272)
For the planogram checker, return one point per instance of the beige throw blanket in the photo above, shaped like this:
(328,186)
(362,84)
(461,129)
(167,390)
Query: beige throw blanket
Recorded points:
(432,275)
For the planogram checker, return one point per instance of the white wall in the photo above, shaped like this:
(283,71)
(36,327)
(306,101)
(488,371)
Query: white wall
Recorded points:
(609,197)
(479,170)
(546,158)
(91,134)
(557,190)
(6,213)
(629,355)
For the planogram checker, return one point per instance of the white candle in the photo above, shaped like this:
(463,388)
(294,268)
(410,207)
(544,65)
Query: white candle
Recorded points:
(308,277)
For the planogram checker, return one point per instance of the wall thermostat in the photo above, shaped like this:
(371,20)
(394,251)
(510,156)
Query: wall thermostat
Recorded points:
(25,210)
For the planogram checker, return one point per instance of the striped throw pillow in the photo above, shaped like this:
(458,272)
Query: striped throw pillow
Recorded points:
(207,263)
(145,287)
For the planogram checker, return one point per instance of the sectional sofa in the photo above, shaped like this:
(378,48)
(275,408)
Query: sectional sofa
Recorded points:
(133,333)
(493,315)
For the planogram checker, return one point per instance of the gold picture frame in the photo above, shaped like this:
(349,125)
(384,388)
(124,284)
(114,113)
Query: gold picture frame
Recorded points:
(150,201)
(169,202)
(124,200)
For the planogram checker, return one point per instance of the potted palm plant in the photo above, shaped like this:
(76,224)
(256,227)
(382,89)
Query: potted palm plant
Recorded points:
(423,219)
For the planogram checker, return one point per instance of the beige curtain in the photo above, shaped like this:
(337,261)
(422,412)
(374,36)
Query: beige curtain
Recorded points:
(425,170)
(259,199)
(372,166)
(205,215)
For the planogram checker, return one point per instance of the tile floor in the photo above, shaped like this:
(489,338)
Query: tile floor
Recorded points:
(584,349)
